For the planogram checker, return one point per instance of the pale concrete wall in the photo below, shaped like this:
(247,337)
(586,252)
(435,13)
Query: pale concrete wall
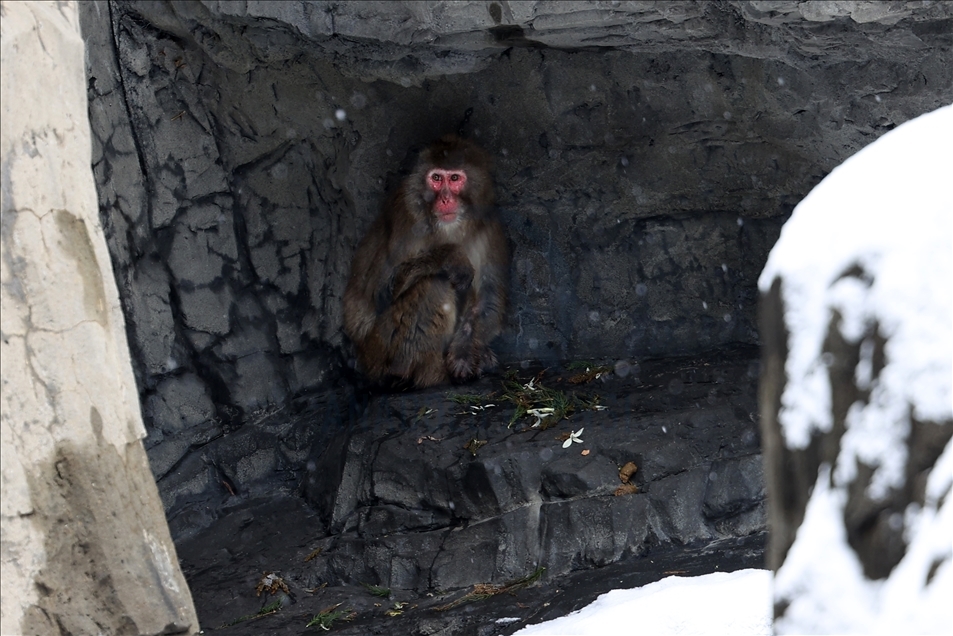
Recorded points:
(85,545)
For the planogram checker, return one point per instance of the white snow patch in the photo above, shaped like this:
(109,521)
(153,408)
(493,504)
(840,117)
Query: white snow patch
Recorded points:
(713,604)
(824,580)
(888,210)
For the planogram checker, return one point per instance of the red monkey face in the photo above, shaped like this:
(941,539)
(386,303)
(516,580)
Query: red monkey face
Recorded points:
(447,186)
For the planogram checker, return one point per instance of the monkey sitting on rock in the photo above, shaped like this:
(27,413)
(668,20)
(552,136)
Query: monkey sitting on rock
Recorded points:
(427,288)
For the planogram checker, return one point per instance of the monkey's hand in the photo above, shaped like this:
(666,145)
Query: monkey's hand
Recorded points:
(454,264)
(467,357)
(460,275)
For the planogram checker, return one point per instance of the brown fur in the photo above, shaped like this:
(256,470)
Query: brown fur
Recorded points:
(424,299)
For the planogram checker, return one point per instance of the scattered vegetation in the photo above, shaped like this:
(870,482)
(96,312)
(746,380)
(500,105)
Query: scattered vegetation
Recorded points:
(571,437)
(270,582)
(591,373)
(470,399)
(267,610)
(548,406)
(483,591)
(424,411)
(313,554)
(534,399)
(397,609)
(474,445)
(326,618)
(579,365)
(472,402)
(376,590)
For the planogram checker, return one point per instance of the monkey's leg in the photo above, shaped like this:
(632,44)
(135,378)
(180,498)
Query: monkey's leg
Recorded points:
(411,333)
(409,338)
(469,354)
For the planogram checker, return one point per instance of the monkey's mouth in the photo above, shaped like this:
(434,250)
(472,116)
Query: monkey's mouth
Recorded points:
(446,217)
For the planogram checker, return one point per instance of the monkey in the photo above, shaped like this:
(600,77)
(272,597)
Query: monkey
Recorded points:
(427,290)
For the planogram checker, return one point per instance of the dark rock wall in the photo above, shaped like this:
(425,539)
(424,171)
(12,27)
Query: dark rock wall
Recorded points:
(646,159)
(409,502)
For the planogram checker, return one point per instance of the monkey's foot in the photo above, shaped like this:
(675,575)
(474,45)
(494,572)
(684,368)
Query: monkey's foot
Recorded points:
(477,360)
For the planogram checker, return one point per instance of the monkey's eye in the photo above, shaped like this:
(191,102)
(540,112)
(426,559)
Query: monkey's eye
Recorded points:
(436,177)
(454,177)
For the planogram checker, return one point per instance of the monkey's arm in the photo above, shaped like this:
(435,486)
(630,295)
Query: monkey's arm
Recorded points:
(445,260)
(481,321)
(494,275)
(368,274)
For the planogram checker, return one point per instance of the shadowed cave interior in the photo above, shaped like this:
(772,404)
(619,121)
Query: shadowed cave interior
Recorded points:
(645,161)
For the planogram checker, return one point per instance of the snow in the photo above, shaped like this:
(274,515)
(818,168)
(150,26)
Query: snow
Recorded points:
(720,603)
(889,210)
(824,580)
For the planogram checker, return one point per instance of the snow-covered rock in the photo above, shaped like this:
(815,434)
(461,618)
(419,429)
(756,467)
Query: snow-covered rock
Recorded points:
(856,397)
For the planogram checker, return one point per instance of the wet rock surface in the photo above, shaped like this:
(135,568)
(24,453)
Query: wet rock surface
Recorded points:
(398,500)
(225,592)
(646,157)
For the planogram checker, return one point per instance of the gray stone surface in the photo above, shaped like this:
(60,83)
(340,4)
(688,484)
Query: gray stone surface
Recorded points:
(523,500)
(86,548)
(732,486)
(276,536)
(393,499)
(646,156)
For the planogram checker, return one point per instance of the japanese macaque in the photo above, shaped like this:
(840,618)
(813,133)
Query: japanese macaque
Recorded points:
(428,283)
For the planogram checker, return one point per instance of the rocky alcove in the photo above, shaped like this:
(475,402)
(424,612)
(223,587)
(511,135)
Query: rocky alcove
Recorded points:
(646,157)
